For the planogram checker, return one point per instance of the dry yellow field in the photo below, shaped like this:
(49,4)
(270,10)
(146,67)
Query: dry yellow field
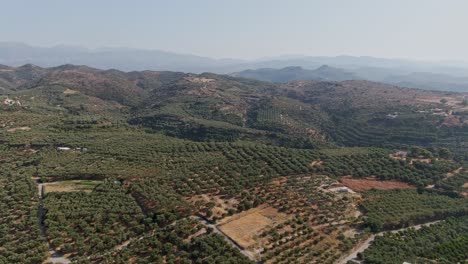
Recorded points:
(70,186)
(244,227)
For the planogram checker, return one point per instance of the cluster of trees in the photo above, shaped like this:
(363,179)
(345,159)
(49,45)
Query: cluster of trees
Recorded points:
(393,209)
(455,183)
(83,223)
(176,126)
(443,242)
(21,240)
(376,162)
(362,133)
(210,109)
(177,243)
(309,236)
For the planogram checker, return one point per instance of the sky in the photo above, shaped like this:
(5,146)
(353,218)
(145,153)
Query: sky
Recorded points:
(247,29)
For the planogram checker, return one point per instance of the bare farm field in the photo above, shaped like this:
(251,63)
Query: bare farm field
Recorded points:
(368,184)
(243,228)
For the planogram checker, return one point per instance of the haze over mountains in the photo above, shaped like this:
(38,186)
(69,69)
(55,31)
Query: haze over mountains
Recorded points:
(449,76)
(297,73)
(422,80)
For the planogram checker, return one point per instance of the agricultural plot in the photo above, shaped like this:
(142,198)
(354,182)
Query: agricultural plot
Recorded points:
(185,241)
(245,227)
(300,219)
(70,186)
(369,184)
(443,242)
(391,209)
(362,163)
(81,224)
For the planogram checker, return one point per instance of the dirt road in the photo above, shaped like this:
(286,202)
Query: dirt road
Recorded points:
(364,245)
(226,238)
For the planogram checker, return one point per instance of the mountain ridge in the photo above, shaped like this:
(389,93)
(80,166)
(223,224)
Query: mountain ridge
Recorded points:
(392,71)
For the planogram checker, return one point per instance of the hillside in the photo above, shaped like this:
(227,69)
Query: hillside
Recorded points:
(300,113)
(126,167)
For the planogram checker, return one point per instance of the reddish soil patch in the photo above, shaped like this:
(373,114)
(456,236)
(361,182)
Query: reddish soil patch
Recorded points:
(367,184)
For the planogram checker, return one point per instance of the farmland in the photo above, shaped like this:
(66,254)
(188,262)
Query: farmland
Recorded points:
(281,171)
(443,242)
(244,227)
(397,208)
(368,184)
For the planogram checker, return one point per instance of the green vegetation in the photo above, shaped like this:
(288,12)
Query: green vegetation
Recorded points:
(310,236)
(84,223)
(393,209)
(136,158)
(177,243)
(443,242)
(365,162)
(20,236)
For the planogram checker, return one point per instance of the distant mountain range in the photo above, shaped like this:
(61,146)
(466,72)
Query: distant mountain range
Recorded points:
(445,76)
(17,54)
(323,73)
(422,80)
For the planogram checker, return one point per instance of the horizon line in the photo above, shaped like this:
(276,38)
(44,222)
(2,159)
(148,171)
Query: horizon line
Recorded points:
(280,57)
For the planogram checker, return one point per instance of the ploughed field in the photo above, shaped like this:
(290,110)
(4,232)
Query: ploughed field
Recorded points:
(369,184)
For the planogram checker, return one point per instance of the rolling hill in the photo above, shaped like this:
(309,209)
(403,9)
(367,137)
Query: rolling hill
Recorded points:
(219,107)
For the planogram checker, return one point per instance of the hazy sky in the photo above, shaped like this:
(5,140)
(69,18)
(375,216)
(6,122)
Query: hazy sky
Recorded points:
(414,29)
